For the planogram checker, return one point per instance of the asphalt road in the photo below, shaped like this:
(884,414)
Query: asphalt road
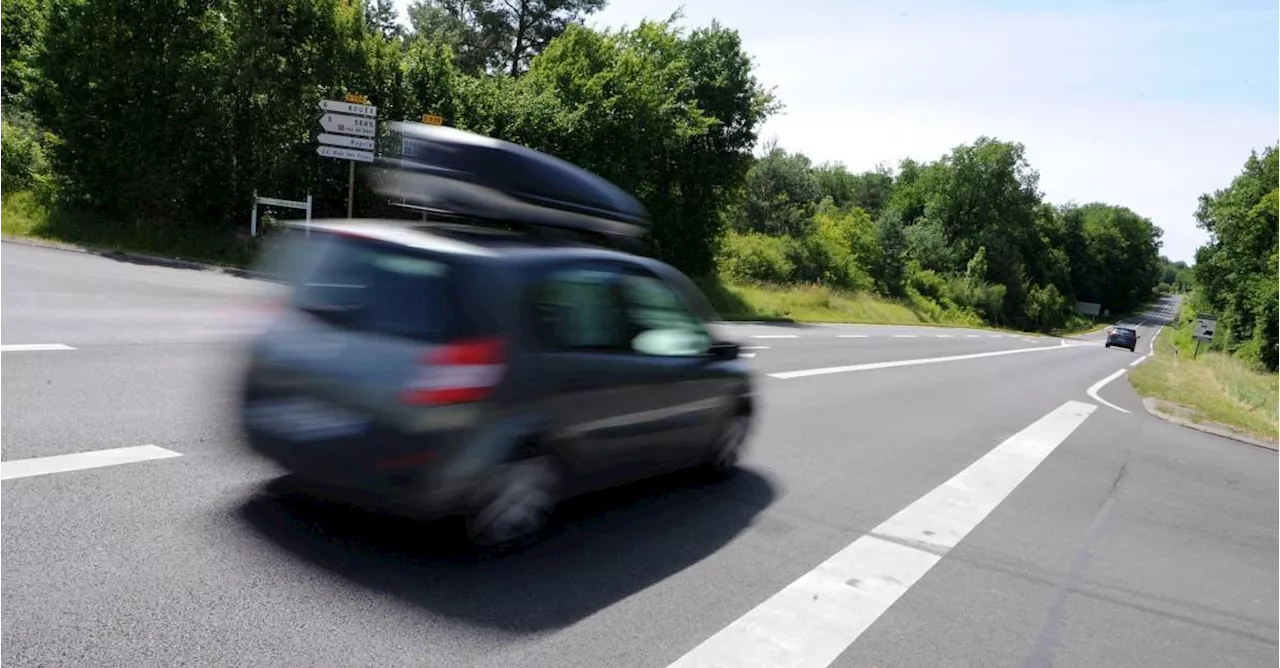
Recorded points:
(1048,525)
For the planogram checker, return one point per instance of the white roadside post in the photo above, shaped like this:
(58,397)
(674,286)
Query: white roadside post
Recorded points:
(302,205)
(349,129)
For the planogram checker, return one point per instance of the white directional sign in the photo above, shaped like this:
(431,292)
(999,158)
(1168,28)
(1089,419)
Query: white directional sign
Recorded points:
(287,203)
(1205,324)
(359,126)
(344,153)
(349,108)
(346,142)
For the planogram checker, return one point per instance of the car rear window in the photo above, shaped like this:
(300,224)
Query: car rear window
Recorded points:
(371,286)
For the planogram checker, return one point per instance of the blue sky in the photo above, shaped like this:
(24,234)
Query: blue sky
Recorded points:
(1142,104)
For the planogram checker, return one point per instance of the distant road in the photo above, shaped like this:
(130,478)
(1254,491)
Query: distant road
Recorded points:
(915,497)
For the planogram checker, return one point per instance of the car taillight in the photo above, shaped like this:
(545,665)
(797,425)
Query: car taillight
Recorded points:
(459,372)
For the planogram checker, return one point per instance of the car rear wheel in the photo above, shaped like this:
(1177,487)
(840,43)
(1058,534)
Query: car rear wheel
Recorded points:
(521,496)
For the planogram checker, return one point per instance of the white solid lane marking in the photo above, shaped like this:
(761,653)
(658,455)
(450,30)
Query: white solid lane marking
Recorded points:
(25,468)
(813,620)
(1138,361)
(32,347)
(853,336)
(897,363)
(753,348)
(1154,337)
(904,336)
(1093,391)
(747,354)
(775,336)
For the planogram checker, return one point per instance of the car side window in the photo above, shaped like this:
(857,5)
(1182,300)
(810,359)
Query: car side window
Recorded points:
(579,309)
(658,320)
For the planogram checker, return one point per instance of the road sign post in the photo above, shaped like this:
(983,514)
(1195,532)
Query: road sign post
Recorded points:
(349,128)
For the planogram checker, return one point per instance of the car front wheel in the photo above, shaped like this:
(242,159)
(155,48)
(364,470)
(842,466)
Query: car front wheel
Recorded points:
(727,449)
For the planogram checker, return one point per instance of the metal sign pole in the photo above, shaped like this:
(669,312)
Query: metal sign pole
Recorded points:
(351,186)
(253,222)
(308,215)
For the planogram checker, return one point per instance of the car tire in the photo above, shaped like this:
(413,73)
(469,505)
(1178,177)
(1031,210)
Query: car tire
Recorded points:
(517,502)
(729,444)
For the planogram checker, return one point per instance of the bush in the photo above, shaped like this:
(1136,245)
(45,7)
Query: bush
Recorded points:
(845,247)
(755,257)
(1046,307)
(24,164)
(977,296)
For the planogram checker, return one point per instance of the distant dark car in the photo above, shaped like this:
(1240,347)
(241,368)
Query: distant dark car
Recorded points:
(1122,337)
(442,369)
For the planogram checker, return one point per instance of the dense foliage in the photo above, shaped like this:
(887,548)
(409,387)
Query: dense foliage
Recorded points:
(968,232)
(1236,271)
(171,114)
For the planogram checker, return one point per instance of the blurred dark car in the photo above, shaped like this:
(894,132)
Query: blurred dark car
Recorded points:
(1122,337)
(445,369)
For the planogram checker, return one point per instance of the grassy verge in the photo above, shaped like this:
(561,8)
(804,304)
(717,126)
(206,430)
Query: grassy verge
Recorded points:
(815,303)
(21,215)
(1213,387)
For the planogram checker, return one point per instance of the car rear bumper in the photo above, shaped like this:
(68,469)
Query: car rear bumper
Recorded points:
(374,465)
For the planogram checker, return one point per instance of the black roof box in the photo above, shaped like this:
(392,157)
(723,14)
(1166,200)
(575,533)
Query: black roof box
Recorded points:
(463,173)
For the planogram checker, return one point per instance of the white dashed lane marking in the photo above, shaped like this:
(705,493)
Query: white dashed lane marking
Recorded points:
(32,347)
(25,468)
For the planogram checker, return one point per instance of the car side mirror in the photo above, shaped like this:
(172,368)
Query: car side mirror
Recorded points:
(724,351)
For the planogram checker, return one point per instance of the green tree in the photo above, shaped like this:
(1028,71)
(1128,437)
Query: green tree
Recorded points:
(780,196)
(382,17)
(144,122)
(667,115)
(889,271)
(869,191)
(1236,270)
(22,25)
(499,36)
